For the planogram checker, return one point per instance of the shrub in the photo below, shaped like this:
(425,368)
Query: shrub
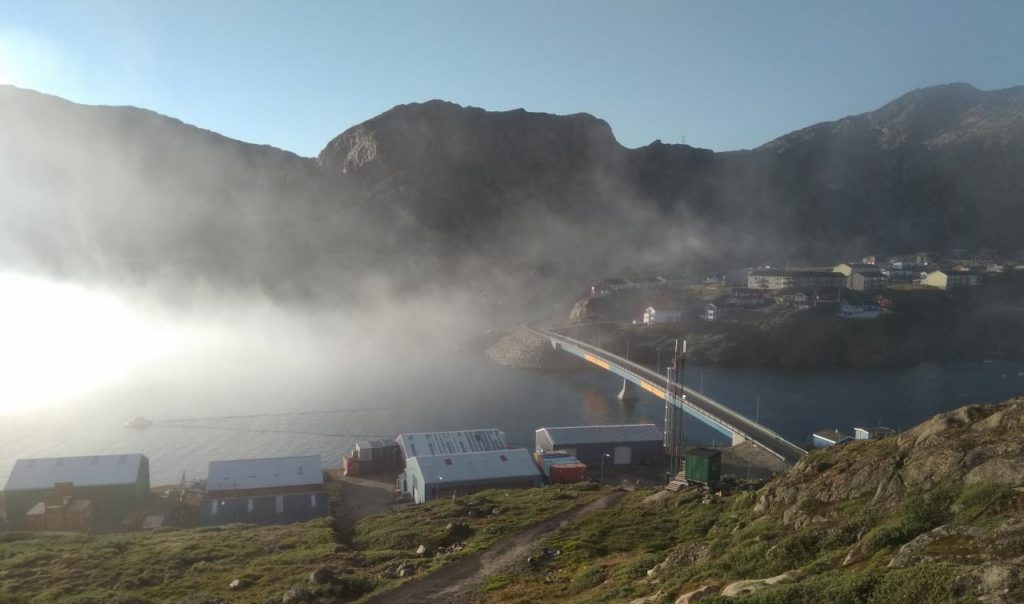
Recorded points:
(637,568)
(976,499)
(588,578)
(925,583)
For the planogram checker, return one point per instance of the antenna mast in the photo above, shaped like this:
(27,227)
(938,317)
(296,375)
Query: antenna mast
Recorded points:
(673,409)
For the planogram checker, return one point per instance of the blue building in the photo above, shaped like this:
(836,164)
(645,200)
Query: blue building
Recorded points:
(279,490)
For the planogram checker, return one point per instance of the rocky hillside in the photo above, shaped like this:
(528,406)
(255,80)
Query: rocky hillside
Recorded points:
(933,515)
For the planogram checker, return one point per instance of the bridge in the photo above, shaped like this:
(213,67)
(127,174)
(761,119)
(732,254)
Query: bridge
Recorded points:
(738,427)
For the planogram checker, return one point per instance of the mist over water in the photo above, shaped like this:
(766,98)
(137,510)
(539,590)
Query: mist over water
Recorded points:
(244,376)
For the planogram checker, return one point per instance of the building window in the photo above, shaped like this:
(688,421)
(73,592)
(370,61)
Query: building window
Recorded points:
(503,458)
(447,462)
(300,470)
(279,504)
(213,507)
(312,501)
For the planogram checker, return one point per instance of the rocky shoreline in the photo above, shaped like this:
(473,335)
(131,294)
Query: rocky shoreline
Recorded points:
(522,349)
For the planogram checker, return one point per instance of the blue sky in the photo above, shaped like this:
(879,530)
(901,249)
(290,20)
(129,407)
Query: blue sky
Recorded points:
(724,75)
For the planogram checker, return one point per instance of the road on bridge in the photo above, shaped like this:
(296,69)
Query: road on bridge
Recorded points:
(656,384)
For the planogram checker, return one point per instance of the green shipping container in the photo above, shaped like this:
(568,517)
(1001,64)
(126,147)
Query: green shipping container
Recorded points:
(703,466)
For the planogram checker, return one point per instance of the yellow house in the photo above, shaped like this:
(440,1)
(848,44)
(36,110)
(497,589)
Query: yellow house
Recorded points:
(848,268)
(950,279)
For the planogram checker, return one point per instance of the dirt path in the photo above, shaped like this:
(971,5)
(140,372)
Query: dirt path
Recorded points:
(358,498)
(458,581)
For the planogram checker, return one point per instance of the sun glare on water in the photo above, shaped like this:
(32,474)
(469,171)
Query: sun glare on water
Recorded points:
(59,341)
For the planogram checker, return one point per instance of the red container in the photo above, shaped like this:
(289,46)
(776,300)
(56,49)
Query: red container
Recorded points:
(351,465)
(568,472)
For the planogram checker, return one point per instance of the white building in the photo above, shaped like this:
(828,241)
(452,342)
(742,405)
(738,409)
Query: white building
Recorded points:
(428,477)
(414,444)
(872,433)
(652,316)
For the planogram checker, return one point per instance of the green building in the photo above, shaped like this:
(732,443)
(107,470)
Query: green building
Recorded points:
(115,484)
(703,466)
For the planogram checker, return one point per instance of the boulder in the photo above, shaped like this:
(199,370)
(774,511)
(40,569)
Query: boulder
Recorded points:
(657,596)
(296,596)
(422,551)
(239,584)
(406,570)
(739,588)
(698,594)
(321,576)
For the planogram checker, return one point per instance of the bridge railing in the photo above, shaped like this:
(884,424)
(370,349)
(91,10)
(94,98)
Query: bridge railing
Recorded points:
(725,417)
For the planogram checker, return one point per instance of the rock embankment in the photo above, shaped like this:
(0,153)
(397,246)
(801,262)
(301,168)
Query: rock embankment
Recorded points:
(524,350)
(973,444)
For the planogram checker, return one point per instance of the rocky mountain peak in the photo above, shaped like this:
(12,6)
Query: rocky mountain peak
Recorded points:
(439,132)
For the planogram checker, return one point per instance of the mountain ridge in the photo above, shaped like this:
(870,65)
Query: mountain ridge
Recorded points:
(529,193)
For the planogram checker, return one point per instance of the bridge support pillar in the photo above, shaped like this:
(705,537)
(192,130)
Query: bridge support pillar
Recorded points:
(628,392)
(738,439)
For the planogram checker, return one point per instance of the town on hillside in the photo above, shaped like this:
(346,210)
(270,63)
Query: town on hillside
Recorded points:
(854,289)
(876,310)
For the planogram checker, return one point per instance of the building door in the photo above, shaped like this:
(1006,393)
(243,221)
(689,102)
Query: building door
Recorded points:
(623,456)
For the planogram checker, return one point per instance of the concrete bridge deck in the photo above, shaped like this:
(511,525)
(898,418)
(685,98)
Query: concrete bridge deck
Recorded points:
(703,407)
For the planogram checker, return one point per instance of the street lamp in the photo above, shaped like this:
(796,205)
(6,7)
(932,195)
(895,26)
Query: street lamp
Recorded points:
(437,489)
(602,464)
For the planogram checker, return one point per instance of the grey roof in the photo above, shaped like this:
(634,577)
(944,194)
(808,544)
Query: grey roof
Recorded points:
(621,433)
(449,443)
(376,443)
(469,467)
(831,435)
(240,474)
(87,471)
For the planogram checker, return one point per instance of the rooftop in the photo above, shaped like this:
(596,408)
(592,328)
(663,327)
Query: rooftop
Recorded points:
(580,435)
(468,467)
(703,452)
(413,444)
(830,435)
(86,471)
(242,474)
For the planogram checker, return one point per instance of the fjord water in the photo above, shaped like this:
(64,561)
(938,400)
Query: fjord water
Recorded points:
(242,377)
(242,415)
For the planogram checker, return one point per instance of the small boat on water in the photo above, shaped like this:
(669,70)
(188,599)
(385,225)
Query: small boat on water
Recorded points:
(138,422)
(986,361)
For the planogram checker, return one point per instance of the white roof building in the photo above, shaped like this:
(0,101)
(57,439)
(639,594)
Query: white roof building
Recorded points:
(88,471)
(579,435)
(426,476)
(414,444)
(267,473)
